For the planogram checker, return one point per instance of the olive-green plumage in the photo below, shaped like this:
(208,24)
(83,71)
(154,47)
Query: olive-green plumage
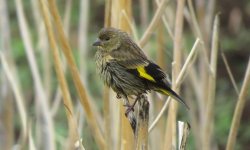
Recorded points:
(124,67)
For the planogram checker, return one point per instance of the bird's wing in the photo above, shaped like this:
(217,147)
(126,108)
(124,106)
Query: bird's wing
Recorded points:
(132,57)
(152,73)
(129,55)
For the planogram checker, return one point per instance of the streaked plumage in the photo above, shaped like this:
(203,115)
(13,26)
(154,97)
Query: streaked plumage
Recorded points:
(124,67)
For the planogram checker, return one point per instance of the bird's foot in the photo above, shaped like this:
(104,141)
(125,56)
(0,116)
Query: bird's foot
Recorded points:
(129,109)
(118,96)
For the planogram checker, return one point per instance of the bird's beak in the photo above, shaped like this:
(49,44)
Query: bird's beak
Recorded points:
(97,42)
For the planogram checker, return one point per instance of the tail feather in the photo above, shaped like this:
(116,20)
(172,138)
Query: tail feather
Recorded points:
(171,93)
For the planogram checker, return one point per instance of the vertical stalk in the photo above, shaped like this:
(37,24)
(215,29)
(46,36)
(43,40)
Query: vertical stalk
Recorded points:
(81,91)
(171,122)
(6,103)
(106,91)
(73,134)
(141,135)
(211,87)
(44,112)
(239,109)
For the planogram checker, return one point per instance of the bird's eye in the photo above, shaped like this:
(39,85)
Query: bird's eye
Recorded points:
(107,38)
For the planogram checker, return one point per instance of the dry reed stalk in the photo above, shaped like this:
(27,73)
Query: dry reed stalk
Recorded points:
(165,22)
(195,25)
(153,23)
(190,59)
(183,132)
(73,134)
(107,20)
(239,109)
(157,143)
(202,92)
(47,124)
(144,13)
(128,124)
(209,16)
(211,86)
(170,135)
(230,73)
(131,26)
(42,48)
(141,135)
(18,96)
(83,39)
(6,103)
(31,139)
(76,76)
(107,119)
(66,19)
(106,91)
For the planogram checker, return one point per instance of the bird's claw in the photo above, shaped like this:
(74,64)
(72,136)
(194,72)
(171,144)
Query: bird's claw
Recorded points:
(129,109)
(118,96)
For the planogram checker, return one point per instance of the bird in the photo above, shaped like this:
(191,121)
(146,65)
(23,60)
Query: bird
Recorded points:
(124,67)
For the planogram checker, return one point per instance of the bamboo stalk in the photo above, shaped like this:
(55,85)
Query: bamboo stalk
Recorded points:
(239,109)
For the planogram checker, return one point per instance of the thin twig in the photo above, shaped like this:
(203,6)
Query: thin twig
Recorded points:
(17,93)
(131,25)
(239,109)
(190,59)
(153,23)
(180,77)
(165,22)
(230,73)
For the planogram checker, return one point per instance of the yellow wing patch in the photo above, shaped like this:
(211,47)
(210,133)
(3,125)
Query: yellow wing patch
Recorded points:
(144,74)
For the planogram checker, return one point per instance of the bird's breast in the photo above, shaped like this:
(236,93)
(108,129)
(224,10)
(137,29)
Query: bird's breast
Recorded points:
(103,67)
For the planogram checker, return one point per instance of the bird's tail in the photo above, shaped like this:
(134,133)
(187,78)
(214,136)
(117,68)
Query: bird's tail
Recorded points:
(171,93)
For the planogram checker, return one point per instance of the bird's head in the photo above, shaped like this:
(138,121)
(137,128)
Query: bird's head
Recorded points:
(109,39)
